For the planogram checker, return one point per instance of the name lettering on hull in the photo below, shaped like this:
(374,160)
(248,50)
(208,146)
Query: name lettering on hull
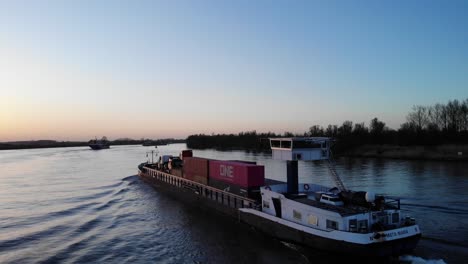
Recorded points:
(388,234)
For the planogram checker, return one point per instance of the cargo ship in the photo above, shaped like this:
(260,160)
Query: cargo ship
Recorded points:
(97,144)
(331,219)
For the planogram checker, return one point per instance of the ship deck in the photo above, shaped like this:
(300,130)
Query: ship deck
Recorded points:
(342,210)
(302,198)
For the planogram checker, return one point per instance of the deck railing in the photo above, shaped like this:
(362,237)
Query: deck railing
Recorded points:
(222,197)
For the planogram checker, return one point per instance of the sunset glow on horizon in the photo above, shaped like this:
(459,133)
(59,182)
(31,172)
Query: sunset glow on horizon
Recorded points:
(159,69)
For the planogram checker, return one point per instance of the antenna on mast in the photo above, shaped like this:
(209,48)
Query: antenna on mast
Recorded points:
(153,153)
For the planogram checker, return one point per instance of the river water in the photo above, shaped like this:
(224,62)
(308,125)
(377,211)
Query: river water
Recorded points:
(76,205)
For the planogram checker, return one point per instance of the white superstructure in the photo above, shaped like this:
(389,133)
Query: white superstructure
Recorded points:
(330,212)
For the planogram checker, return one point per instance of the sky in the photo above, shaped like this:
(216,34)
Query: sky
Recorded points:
(75,70)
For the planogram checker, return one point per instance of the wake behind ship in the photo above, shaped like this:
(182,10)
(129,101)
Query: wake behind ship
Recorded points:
(332,219)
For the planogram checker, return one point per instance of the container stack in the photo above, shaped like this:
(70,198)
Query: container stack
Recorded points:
(186,154)
(179,172)
(196,169)
(243,178)
(236,177)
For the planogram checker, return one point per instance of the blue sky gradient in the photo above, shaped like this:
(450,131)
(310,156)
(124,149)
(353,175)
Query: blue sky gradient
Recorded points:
(78,69)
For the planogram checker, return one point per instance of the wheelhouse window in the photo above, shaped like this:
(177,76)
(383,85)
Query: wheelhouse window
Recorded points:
(395,218)
(286,144)
(324,152)
(275,144)
(332,224)
(266,204)
(306,144)
(352,225)
(363,226)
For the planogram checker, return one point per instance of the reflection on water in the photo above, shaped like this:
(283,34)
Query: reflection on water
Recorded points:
(78,205)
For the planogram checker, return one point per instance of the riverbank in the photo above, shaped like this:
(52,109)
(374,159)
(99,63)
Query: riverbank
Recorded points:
(439,152)
(32,144)
(40,144)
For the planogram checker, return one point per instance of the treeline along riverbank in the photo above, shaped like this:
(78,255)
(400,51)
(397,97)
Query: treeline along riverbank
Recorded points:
(40,144)
(431,132)
(60,144)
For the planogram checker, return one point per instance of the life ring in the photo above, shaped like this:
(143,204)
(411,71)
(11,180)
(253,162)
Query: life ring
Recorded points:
(268,188)
(306,187)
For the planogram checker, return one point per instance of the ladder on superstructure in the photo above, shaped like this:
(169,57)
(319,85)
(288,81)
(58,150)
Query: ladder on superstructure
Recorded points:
(335,177)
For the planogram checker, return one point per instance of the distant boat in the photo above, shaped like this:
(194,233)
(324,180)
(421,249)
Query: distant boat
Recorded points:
(158,142)
(148,143)
(96,144)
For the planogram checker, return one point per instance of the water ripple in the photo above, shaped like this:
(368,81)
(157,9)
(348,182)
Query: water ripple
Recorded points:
(48,216)
(28,239)
(444,209)
(111,186)
(84,198)
(79,206)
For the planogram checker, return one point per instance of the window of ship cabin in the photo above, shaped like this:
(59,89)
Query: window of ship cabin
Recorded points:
(332,224)
(324,152)
(334,199)
(286,144)
(362,224)
(313,220)
(395,218)
(275,144)
(266,204)
(306,144)
(352,225)
(297,215)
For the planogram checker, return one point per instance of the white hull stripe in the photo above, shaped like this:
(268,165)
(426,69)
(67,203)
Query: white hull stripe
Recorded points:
(356,238)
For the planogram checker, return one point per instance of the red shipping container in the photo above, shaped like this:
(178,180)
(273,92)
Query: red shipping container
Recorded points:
(196,169)
(185,154)
(241,174)
(177,172)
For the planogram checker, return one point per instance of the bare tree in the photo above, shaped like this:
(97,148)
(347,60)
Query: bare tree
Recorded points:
(453,113)
(346,128)
(437,116)
(464,115)
(408,127)
(332,131)
(360,129)
(419,116)
(315,131)
(377,127)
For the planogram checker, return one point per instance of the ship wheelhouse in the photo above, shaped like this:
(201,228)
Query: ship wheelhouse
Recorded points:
(316,148)
(323,207)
